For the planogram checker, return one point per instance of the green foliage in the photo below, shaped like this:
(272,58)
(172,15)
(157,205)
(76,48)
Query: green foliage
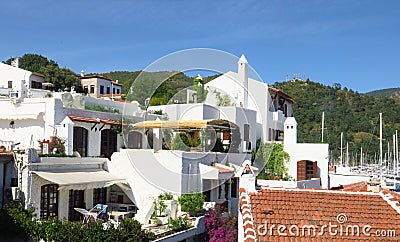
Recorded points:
(388,92)
(191,203)
(159,206)
(158,112)
(165,196)
(101,109)
(180,142)
(354,114)
(275,159)
(56,230)
(179,224)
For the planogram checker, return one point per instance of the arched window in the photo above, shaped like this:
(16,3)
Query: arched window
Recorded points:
(81,140)
(49,201)
(134,140)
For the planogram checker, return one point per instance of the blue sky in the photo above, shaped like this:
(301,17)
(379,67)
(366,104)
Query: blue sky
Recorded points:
(355,43)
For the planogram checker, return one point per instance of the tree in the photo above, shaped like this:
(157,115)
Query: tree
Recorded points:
(275,159)
(180,142)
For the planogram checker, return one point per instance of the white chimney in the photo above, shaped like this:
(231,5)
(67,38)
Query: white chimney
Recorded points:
(15,62)
(116,81)
(82,73)
(290,131)
(243,67)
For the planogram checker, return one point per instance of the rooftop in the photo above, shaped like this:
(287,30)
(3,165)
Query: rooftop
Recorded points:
(320,209)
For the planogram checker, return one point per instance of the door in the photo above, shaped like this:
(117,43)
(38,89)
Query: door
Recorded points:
(76,200)
(49,201)
(108,142)
(80,140)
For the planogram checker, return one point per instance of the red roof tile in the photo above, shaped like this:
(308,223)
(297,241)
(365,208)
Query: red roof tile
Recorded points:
(223,170)
(273,210)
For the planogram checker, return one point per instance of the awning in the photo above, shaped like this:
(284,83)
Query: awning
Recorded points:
(19,116)
(80,180)
(217,124)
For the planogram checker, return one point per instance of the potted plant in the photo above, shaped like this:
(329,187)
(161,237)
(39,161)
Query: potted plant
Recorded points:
(171,204)
(154,220)
(159,211)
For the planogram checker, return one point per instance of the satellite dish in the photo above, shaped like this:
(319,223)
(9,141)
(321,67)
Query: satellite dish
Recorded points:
(67,99)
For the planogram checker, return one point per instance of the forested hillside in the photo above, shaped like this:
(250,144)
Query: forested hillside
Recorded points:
(388,92)
(354,114)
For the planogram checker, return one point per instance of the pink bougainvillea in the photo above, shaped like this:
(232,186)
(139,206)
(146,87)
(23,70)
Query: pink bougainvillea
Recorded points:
(221,228)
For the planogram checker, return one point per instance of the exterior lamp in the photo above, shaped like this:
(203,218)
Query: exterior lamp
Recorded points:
(12,124)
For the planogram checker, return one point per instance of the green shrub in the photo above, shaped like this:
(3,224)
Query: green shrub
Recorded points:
(192,203)
(179,224)
(55,230)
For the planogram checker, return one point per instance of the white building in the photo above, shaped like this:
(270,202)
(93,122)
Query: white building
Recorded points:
(271,105)
(307,161)
(97,86)
(21,82)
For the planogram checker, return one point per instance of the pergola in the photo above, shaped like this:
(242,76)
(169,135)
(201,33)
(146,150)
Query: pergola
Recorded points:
(219,125)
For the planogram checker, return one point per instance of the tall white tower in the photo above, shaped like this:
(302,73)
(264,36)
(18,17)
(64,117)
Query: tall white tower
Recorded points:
(243,67)
(290,131)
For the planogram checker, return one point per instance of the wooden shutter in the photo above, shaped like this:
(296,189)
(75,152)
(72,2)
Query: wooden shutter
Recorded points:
(301,170)
(315,169)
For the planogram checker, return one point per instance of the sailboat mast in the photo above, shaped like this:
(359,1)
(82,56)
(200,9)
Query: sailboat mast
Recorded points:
(341,148)
(380,144)
(323,121)
(397,155)
(347,154)
(361,158)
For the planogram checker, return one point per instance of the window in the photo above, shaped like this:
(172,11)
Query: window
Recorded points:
(99,196)
(85,89)
(108,90)
(49,201)
(234,187)
(91,88)
(117,91)
(113,90)
(9,84)
(76,200)
(306,170)
(101,89)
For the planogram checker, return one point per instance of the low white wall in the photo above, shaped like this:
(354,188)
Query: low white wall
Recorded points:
(340,179)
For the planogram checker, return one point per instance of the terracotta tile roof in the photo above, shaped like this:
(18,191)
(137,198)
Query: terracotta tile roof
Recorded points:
(275,211)
(38,74)
(6,153)
(281,93)
(223,170)
(356,187)
(92,120)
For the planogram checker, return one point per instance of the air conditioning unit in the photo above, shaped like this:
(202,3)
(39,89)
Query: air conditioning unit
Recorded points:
(16,193)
